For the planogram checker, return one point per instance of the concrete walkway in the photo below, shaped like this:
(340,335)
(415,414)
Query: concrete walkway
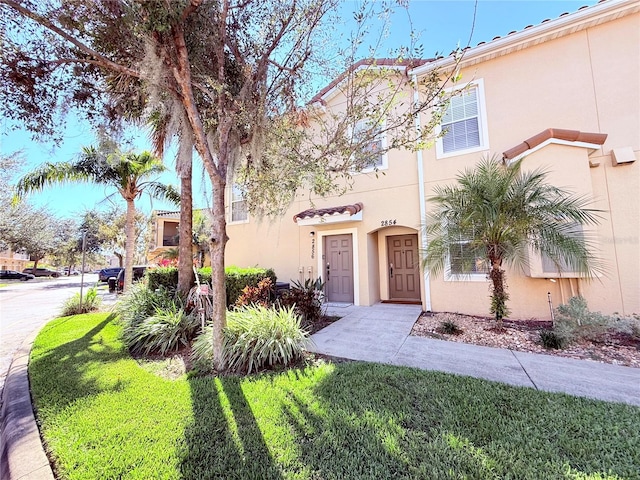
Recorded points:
(381,334)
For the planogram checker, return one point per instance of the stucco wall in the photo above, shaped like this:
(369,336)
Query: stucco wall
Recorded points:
(586,81)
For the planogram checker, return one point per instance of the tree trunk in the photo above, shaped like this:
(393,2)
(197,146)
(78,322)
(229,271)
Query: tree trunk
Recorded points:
(130,233)
(217,244)
(499,294)
(119,258)
(185,247)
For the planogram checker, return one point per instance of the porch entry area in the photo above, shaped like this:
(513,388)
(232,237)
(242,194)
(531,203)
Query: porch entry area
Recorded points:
(338,268)
(403,268)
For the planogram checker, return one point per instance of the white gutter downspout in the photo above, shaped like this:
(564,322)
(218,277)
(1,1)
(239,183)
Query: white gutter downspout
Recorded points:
(422,199)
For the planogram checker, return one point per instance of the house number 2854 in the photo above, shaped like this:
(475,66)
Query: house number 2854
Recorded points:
(387,223)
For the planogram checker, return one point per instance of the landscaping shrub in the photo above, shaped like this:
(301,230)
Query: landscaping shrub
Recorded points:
(627,325)
(254,338)
(263,294)
(162,277)
(140,302)
(167,330)
(552,340)
(574,321)
(449,327)
(236,279)
(90,303)
(306,299)
(202,351)
(257,337)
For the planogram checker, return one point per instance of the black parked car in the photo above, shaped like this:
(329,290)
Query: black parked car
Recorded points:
(138,273)
(106,273)
(41,272)
(13,275)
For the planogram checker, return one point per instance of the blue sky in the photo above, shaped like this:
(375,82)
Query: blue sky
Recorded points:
(442,25)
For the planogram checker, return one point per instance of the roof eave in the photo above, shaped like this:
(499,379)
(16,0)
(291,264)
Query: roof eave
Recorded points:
(564,25)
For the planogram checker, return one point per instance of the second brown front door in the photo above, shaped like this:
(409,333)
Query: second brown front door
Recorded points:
(403,270)
(338,268)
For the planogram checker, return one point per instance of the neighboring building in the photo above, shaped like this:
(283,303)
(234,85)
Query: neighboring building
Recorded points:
(165,236)
(10,260)
(565,94)
(164,233)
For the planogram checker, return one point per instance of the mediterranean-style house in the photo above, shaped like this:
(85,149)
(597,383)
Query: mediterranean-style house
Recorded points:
(564,95)
(10,260)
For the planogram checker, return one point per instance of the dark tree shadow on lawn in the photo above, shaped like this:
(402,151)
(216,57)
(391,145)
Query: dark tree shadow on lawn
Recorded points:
(58,377)
(224,440)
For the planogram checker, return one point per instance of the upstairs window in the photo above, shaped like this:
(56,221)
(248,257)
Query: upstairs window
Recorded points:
(239,211)
(463,124)
(371,148)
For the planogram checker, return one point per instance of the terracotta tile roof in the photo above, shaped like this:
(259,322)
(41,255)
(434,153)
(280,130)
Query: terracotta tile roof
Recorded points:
(167,213)
(382,62)
(325,212)
(557,133)
(563,14)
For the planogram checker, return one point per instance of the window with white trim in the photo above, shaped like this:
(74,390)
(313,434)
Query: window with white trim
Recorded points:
(463,125)
(464,261)
(239,211)
(372,148)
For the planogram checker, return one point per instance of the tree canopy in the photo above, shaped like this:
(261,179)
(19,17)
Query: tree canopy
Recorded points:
(232,77)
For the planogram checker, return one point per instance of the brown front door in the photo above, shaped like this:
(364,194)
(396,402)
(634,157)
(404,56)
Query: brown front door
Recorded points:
(338,268)
(403,270)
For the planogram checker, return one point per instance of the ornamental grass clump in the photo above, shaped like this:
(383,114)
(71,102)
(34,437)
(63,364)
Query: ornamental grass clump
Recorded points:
(90,303)
(258,337)
(140,302)
(255,338)
(166,331)
(155,321)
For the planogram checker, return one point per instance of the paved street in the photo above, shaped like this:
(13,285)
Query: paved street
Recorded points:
(26,306)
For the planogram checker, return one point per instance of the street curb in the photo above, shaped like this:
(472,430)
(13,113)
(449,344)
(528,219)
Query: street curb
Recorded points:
(22,455)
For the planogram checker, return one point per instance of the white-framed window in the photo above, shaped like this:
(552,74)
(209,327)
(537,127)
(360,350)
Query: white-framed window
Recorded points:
(464,263)
(373,148)
(238,204)
(463,126)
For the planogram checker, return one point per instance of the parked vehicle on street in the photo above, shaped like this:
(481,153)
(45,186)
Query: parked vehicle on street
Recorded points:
(106,273)
(13,275)
(138,273)
(41,272)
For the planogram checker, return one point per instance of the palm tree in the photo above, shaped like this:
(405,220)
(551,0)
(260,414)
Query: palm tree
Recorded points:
(498,212)
(164,127)
(130,173)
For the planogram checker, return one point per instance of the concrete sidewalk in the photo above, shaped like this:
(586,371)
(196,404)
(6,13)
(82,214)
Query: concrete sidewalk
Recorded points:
(381,334)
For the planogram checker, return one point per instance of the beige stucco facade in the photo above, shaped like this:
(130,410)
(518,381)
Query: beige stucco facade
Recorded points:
(580,74)
(10,260)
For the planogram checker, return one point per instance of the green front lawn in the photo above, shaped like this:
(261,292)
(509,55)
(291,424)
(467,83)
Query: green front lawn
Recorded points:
(104,416)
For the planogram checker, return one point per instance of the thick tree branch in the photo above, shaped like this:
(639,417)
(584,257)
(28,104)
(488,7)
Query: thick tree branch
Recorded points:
(100,60)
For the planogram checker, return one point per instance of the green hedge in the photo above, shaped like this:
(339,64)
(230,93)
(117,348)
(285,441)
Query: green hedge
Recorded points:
(162,277)
(236,278)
